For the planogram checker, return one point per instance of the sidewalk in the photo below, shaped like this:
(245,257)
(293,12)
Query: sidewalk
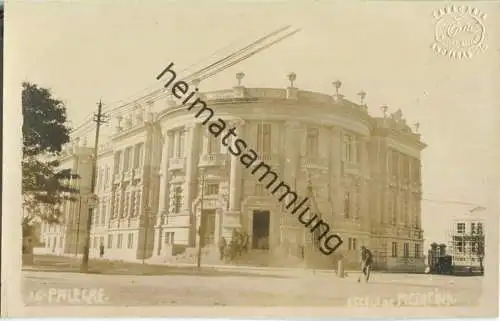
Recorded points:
(71,263)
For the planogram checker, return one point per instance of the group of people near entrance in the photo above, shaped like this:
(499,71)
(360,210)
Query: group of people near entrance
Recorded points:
(240,242)
(236,247)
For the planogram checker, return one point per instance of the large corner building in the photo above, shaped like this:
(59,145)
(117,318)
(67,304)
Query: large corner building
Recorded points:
(161,170)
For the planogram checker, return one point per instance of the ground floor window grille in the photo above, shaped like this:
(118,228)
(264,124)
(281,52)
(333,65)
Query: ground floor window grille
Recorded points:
(394,249)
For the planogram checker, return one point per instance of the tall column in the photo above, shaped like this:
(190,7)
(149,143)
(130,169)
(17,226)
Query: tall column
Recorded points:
(335,174)
(191,179)
(235,184)
(291,150)
(191,152)
(364,182)
(164,190)
(232,218)
(163,194)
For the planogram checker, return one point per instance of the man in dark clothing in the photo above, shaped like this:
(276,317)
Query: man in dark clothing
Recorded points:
(101,250)
(222,247)
(366,263)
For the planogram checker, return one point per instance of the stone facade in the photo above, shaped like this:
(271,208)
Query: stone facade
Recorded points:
(364,172)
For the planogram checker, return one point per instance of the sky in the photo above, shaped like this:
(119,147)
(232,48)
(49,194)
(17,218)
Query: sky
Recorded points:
(109,50)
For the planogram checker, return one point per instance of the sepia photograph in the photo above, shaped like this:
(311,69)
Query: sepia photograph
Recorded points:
(251,159)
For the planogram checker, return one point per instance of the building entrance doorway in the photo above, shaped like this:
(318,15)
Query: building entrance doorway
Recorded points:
(260,230)
(207,227)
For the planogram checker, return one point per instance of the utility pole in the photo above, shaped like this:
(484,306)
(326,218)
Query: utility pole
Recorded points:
(200,229)
(77,245)
(99,119)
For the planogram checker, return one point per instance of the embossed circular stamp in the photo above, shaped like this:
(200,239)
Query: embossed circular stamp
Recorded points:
(459,31)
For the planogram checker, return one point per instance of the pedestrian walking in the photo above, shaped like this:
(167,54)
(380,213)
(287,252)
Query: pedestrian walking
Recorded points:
(101,250)
(366,263)
(222,247)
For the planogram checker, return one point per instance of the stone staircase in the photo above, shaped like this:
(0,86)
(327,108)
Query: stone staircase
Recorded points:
(209,255)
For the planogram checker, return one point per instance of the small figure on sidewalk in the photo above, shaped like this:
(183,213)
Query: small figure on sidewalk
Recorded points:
(366,263)
(222,247)
(101,250)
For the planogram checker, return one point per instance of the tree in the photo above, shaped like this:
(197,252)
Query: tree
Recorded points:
(44,185)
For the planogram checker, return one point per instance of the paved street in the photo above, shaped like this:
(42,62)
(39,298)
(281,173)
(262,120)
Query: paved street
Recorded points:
(263,288)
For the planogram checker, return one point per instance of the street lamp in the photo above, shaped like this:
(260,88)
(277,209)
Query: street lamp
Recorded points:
(292,77)
(337,84)
(239,78)
(200,228)
(362,96)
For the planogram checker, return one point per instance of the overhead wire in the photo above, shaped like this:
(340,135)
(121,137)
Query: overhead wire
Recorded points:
(232,63)
(111,111)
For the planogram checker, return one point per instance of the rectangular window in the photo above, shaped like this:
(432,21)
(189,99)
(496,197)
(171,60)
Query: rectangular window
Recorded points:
(137,210)
(179,151)
(312,142)
(395,164)
(126,158)
(177,199)
(119,241)
(259,189)
(416,170)
(404,211)
(213,146)
(106,177)
(169,238)
(405,164)
(394,208)
(474,248)
(212,189)
(118,158)
(138,155)
(479,228)
(473,228)
(406,250)
(100,178)
(417,250)
(347,204)
(133,201)
(95,216)
(130,240)
(394,249)
(460,228)
(116,205)
(264,139)
(352,244)
(104,211)
(348,148)
(110,241)
(126,200)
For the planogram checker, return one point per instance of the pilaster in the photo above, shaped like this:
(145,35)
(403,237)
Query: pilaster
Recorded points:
(291,170)
(232,217)
(164,184)
(190,182)
(335,173)
(235,175)
(364,181)
(163,193)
